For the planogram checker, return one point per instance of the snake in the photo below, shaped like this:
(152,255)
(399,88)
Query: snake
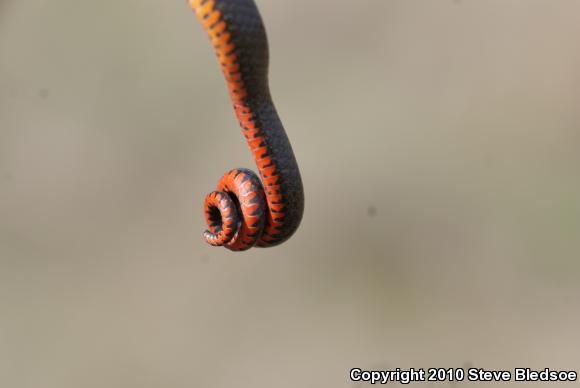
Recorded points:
(247,210)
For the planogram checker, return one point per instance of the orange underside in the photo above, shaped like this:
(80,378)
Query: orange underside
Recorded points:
(216,28)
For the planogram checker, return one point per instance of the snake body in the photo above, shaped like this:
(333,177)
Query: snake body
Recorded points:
(245,211)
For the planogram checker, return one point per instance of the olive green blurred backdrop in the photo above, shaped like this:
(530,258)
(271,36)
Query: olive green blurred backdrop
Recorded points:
(438,142)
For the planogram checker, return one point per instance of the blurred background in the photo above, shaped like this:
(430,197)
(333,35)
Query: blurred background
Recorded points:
(438,142)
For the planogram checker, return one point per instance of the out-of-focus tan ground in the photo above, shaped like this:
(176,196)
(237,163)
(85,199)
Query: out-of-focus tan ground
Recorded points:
(439,146)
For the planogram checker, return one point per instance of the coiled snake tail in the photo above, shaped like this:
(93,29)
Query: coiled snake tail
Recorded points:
(245,211)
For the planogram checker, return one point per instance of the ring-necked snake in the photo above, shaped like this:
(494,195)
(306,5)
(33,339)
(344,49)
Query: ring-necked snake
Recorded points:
(244,211)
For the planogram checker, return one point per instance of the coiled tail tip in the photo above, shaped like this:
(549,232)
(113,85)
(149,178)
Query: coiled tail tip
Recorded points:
(236,212)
